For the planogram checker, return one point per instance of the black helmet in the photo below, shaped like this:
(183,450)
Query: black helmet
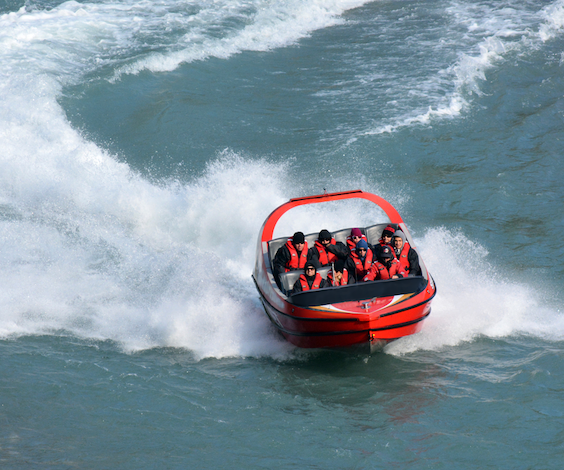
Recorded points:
(385,253)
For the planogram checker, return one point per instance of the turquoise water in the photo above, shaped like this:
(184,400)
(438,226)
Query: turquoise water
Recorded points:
(143,144)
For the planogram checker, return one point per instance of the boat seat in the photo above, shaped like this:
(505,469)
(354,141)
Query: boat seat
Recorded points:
(273,246)
(374,232)
(324,271)
(287,280)
(310,239)
(341,235)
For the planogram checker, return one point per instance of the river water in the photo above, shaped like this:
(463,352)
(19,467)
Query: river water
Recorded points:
(142,145)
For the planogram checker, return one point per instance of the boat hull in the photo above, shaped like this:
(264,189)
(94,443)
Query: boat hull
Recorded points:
(316,328)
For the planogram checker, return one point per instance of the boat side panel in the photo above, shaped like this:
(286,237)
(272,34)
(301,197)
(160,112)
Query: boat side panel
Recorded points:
(389,327)
(352,338)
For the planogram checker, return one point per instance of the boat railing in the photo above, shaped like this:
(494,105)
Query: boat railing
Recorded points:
(287,280)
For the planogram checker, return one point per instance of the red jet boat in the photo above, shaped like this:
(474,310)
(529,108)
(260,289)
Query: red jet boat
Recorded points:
(369,314)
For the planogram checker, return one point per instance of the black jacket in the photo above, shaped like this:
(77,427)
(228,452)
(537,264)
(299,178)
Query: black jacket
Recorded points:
(413,259)
(281,257)
(339,249)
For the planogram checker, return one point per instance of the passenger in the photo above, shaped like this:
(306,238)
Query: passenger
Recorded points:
(385,239)
(291,256)
(326,250)
(341,275)
(385,267)
(361,260)
(309,280)
(355,236)
(407,256)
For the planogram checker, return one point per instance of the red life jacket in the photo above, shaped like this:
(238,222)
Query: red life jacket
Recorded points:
(352,245)
(295,261)
(379,271)
(316,282)
(383,243)
(362,269)
(344,279)
(402,258)
(325,257)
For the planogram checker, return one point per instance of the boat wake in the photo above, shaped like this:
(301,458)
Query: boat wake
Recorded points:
(487,36)
(475,299)
(93,250)
(114,257)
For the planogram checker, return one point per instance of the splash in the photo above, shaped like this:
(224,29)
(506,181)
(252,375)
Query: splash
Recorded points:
(149,266)
(114,257)
(553,25)
(474,299)
(88,247)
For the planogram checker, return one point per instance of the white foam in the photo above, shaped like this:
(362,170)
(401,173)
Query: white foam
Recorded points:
(475,300)
(553,25)
(89,248)
(92,249)
(74,38)
(491,33)
(270,25)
